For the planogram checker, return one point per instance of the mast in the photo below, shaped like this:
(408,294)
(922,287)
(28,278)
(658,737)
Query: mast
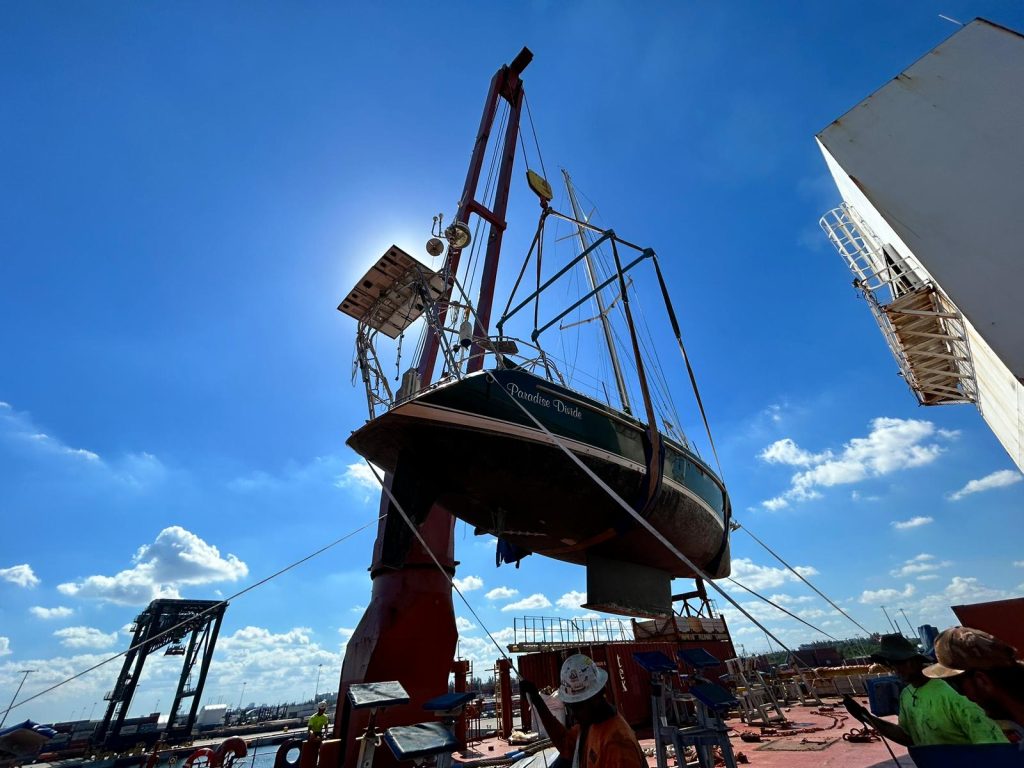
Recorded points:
(620,382)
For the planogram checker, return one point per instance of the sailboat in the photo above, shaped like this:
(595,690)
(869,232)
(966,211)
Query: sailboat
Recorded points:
(500,435)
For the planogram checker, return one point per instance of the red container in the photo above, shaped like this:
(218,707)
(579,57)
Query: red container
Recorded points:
(629,685)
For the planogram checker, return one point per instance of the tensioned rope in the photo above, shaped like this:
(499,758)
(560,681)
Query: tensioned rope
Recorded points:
(805,581)
(192,619)
(636,516)
(789,613)
(429,551)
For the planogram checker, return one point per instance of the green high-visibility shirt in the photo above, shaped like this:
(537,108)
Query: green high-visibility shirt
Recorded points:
(317,722)
(937,714)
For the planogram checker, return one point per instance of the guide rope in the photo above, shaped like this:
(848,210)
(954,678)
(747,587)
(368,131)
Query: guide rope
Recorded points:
(426,548)
(773,604)
(642,521)
(805,581)
(190,620)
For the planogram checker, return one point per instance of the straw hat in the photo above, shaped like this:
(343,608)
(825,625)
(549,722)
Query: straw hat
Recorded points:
(961,648)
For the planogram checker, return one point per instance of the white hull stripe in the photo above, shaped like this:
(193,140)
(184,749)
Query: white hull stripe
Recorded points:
(443,415)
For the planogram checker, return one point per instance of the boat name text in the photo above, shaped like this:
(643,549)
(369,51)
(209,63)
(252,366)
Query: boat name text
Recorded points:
(538,399)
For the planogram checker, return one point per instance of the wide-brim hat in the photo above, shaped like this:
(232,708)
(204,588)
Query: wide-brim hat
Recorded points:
(896,648)
(960,649)
(581,679)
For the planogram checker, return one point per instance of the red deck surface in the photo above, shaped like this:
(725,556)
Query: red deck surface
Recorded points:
(783,751)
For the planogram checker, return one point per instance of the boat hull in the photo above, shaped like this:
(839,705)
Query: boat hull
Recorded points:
(475,452)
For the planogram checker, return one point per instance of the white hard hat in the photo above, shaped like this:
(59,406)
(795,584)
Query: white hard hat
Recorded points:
(581,679)
(322,705)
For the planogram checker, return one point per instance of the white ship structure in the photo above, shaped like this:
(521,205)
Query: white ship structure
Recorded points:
(931,171)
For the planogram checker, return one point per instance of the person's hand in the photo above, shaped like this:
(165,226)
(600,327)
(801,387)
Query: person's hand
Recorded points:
(526,688)
(854,708)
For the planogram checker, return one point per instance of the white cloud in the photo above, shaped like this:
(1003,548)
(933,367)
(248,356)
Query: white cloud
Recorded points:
(572,600)
(501,593)
(469,583)
(1018,563)
(176,558)
(22,575)
(786,451)
(85,637)
(463,624)
(790,599)
(923,563)
(1000,479)
(961,590)
(530,603)
(879,596)
(891,445)
(359,476)
(858,496)
(758,577)
(275,665)
(773,504)
(927,577)
(59,612)
(5,643)
(134,470)
(54,445)
(914,522)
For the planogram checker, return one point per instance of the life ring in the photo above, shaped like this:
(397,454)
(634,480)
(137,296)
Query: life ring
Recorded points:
(204,756)
(281,760)
(230,750)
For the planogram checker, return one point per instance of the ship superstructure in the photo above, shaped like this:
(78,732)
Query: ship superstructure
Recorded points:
(929,168)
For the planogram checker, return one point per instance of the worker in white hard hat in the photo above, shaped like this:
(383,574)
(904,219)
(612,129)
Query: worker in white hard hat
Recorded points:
(318,722)
(601,737)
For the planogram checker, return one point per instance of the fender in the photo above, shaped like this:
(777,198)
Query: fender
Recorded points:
(204,755)
(230,750)
(281,760)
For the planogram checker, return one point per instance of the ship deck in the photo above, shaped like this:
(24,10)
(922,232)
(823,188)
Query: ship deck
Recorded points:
(814,737)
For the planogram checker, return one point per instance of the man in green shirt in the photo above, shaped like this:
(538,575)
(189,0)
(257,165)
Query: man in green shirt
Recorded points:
(931,712)
(318,722)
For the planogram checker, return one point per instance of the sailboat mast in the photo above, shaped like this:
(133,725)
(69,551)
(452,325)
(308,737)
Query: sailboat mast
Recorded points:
(606,327)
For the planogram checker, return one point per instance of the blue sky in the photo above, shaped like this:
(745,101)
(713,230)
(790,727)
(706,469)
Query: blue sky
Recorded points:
(187,190)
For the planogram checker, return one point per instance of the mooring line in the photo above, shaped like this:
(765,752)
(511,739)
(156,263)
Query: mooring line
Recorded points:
(426,548)
(643,522)
(190,620)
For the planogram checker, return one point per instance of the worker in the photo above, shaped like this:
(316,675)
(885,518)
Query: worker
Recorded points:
(986,671)
(318,722)
(931,712)
(601,737)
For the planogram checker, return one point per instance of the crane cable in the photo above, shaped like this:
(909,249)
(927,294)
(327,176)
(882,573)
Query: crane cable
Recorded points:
(191,620)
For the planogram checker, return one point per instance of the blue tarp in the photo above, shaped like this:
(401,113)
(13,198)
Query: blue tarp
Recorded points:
(24,738)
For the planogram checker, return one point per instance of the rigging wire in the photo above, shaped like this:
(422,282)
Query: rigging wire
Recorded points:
(781,608)
(640,519)
(489,191)
(191,619)
(429,551)
(536,143)
(801,577)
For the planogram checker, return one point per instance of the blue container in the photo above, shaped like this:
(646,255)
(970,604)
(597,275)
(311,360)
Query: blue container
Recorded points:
(928,633)
(884,695)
